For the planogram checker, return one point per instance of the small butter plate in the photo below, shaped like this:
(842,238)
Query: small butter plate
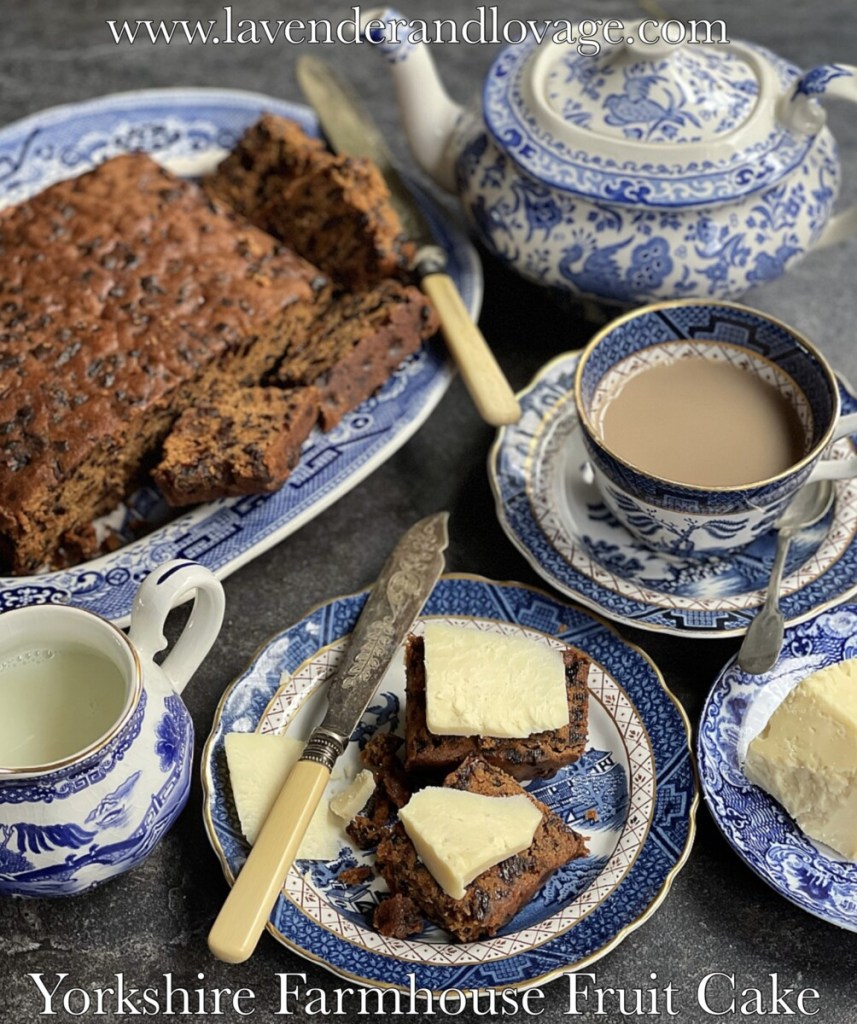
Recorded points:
(636,776)
(763,835)
(189,130)
(556,518)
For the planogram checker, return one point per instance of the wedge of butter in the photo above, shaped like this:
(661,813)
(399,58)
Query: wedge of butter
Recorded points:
(458,835)
(806,756)
(487,684)
(258,767)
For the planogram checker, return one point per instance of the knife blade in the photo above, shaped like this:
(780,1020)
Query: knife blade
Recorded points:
(351,130)
(394,602)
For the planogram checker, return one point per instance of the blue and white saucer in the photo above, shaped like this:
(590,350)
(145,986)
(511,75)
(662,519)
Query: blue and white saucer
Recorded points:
(190,130)
(763,835)
(636,776)
(556,518)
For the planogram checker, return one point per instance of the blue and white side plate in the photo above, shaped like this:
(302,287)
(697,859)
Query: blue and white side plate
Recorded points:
(760,831)
(190,130)
(554,515)
(636,774)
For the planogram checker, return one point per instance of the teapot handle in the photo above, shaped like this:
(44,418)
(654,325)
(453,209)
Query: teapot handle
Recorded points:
(803,114)
(163,589)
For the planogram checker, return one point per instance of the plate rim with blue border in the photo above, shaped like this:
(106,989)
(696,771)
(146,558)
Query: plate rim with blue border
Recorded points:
(757,827)
(512,467)
(663,851)
(183,126)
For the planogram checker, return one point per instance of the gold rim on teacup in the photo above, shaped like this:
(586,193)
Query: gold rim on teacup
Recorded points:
(823,365)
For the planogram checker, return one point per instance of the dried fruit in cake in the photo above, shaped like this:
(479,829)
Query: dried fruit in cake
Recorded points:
(124,295)
(334,210)
(236,441)
(495,896)
(355,343)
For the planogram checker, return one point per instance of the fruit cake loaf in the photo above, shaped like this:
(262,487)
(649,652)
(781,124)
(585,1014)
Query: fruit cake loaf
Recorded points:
(538,756)
(124,294)
(240,440)
(355,343)
(334,210)
(495,896)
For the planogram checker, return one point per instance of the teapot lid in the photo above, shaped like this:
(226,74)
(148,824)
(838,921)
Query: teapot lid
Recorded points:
(658,125)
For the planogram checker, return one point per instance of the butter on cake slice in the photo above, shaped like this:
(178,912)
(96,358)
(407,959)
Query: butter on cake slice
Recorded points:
(538,755)
(495,895)
(806,756)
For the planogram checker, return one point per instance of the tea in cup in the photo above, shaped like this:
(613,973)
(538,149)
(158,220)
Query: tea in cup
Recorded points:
(95,742)
(702,420)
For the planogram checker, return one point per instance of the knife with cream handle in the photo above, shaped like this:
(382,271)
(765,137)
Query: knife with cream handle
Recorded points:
(350,130)
(394,602)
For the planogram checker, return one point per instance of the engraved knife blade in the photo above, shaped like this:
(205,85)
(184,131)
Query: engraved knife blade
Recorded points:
(399,593)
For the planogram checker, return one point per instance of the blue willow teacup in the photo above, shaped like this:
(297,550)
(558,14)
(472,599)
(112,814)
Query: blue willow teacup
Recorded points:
(690,519)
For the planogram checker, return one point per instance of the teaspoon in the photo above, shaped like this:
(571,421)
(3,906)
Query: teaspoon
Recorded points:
(764,638)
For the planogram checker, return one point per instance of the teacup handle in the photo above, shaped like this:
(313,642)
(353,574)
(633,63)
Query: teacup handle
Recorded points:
(802,114)
(162,590)
(838,469)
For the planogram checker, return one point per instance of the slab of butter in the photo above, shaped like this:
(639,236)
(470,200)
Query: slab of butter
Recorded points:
(258,767)
(806,756)
(354,798)
(458,835)
(487,684)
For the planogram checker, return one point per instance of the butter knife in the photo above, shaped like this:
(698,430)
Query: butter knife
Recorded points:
(394,602)
(350,130)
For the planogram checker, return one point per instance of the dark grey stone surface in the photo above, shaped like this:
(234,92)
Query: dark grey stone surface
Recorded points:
(718,915)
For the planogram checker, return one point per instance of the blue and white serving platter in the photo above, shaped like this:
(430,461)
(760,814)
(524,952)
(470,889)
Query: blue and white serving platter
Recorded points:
(190,130)
(636,774)
(760,831)
(555,516)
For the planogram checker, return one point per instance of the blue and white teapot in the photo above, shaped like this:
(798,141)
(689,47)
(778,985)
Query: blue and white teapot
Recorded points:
(645,172)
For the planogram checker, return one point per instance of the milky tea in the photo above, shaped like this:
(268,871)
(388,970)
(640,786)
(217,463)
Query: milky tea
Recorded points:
(55,701)
(706,423)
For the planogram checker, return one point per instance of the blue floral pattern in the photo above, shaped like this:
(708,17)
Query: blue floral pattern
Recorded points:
(601,781)
(123,796)
(756,826)
(606,249)
(702,99)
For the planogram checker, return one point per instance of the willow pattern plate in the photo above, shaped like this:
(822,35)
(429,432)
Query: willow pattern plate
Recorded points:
(636,774)
(766,838)
(189,130)
(555,517)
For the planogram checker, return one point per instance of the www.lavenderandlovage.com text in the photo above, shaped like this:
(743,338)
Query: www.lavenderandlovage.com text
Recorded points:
(486,25)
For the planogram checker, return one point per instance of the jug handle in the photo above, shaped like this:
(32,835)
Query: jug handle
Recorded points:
(802,114)
(164,588)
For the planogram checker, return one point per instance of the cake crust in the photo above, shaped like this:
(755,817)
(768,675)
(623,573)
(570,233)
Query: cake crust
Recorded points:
(124,293)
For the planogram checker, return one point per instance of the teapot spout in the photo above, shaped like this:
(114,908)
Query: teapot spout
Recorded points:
(429,115)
